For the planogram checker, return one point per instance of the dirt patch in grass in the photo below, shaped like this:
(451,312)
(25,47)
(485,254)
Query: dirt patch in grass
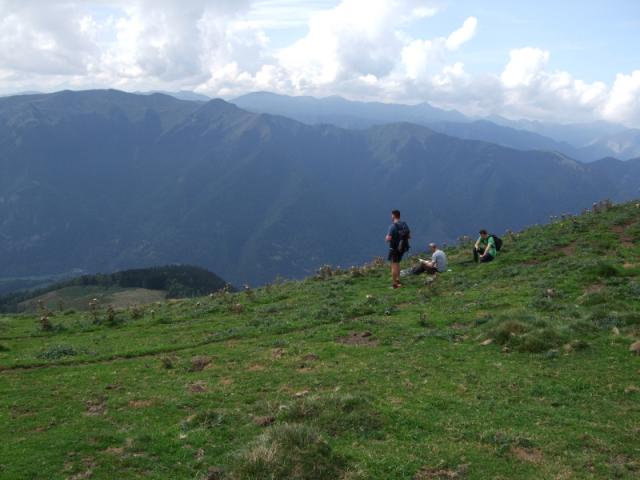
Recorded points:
(278,353)
(20,411)
(440,473)
(197,387)
(311,357)
(256,367)
(81,475)
(264,420)
(226,381)
(625,239)
(595,288)
(530,455)
(458,326)
(626,462)
(95,408)
(359,338)
(569,250)
(199,363)
(140,403)
(118,451)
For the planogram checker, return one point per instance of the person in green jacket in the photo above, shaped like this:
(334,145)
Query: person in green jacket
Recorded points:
(484,249)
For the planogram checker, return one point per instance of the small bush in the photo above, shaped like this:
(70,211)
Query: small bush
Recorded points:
(546,304)
(526,333)
(136,312)
(595,298)
(112,317)
(504,332)
(503,441)
(167,363)
(57,351)
(361,309)
(328,314)
(163,321)
(630,318)
(602,270)
(605,319)
(208,420)
(424,321)
(578,345)
(541,341)
(583,326)
(334,414)
(291,452)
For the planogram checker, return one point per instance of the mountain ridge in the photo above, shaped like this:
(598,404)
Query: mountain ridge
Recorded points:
(252,196)
(586,142)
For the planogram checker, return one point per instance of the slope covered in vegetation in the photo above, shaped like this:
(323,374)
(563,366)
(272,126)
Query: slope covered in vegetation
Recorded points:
(522,368)
(124,288)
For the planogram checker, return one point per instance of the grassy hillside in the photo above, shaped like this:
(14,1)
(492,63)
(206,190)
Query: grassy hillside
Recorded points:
(80,298)
(516,369)
(119,290)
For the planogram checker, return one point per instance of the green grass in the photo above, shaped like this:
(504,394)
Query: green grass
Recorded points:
(515,369)
(78,298)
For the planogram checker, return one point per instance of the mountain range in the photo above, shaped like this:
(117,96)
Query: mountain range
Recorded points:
(105,180)
(585,142)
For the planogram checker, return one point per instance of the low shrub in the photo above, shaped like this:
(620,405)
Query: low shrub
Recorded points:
(504,332)
(540,341)
(526,333)
(334,414)
(593,299)
(605,319)
(57,351)
(602,269)
(207,420)
(630,318)
(288,451)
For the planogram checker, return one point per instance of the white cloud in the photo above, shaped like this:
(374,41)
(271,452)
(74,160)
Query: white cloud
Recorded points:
(530,89)
(463,34)
(525,66)
(362,49)
(356,38)
(46,41)
(623,104)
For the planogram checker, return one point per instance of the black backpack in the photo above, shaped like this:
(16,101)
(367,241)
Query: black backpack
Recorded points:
(497,240)
(404,234)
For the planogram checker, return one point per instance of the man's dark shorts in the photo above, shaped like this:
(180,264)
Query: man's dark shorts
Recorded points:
(487,257)
(395,256)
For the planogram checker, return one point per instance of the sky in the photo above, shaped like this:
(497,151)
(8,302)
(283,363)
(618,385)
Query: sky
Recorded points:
(562,61)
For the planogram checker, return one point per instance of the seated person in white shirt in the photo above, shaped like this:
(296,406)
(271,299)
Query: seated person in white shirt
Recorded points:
(437,264)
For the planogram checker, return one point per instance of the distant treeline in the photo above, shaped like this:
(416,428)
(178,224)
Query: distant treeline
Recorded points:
(179,281)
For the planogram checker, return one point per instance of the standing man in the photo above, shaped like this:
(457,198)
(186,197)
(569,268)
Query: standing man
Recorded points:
(398,240)
(484,249)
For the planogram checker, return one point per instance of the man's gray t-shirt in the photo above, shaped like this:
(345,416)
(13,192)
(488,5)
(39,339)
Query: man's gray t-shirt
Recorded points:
(440,260)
